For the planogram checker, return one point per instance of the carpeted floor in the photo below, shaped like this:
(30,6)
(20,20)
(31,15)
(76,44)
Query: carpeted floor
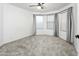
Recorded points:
(38,46)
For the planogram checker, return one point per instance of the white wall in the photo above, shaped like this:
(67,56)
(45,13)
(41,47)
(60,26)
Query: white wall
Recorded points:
(17,23)
(77,32)
(1,23)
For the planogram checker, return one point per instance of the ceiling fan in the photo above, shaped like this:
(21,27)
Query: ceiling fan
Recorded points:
(39,5)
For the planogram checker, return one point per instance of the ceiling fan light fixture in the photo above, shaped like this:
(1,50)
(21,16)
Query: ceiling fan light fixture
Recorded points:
(39,7)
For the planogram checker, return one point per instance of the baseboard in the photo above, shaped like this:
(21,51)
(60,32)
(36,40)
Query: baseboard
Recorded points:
(1,43)
(77,52)
(4,42)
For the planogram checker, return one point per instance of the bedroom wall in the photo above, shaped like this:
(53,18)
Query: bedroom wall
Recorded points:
(77,32)
(17,23)
(1,24)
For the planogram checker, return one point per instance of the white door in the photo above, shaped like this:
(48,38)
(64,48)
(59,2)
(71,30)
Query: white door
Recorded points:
(63,25)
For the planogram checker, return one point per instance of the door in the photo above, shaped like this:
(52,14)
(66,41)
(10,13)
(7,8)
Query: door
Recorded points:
(63,25)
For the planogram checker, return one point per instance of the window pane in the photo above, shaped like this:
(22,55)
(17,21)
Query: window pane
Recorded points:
(39,22)
(50,22)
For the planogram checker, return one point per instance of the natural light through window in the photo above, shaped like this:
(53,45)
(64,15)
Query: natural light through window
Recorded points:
(50,22)
(39,22)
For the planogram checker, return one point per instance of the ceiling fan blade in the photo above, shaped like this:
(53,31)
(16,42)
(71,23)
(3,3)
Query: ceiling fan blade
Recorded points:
(39,4)
(33,5)
(43,3)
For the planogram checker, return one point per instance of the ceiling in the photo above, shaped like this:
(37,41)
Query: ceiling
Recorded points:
(48,6)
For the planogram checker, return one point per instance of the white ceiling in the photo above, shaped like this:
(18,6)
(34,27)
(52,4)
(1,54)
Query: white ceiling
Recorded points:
(49,6)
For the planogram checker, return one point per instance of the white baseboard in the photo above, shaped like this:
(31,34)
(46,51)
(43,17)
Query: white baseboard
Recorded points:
(4,42)
(78,51)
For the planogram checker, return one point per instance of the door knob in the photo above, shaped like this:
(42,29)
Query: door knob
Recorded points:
(77,36)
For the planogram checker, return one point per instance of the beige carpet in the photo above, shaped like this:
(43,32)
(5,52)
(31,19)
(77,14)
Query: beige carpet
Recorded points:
(38,46)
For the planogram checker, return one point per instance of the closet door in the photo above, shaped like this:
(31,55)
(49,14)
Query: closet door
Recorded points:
(63,25)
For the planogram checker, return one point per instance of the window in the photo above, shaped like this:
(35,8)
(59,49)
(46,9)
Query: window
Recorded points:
(39,22)
(50,22)
(45,24)
(63,24)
